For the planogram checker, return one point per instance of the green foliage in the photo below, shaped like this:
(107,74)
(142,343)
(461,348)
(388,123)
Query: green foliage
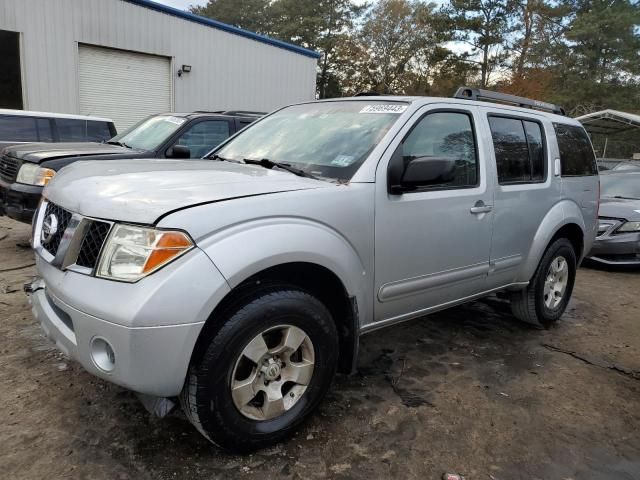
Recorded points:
(584,54)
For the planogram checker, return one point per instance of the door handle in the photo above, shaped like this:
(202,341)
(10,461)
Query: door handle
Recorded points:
(480,207)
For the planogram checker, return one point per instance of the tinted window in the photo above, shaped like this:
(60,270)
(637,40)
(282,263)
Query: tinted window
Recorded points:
(72,130)
(98,131)
(18,129)
(519,150)
(536,149)
(203,136)
(445,134)
(44,130)
(576,154)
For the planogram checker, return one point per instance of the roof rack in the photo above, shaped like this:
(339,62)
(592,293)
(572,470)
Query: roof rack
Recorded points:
(469,93)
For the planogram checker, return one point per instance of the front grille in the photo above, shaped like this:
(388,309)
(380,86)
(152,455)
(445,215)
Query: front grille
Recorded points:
(92,244)
(62,217)
(9,168)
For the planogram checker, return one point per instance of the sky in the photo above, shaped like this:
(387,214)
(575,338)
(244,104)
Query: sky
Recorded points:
(181,4)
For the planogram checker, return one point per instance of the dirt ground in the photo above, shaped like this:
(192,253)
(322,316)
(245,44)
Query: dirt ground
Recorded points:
(469,390)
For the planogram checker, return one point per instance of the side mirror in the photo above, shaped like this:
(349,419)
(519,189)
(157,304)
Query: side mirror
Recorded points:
(429,171)
(419,172)
(178,151)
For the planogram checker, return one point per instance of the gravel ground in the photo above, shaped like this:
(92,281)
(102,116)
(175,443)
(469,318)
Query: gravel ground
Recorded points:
(469,390)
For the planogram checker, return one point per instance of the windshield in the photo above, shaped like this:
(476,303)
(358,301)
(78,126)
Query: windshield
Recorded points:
(150,133)
(329,139)
(626,185)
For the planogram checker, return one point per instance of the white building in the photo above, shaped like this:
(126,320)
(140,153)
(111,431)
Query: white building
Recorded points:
(126,59)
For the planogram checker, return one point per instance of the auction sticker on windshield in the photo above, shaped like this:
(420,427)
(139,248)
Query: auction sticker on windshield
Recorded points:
(383,108)
(176,120)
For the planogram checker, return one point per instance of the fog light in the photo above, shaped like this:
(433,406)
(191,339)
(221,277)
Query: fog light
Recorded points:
(102,354)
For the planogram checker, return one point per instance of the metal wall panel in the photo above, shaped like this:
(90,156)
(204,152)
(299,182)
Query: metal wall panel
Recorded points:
(228,71)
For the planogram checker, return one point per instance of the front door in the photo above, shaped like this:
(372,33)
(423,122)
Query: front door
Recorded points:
(432,244)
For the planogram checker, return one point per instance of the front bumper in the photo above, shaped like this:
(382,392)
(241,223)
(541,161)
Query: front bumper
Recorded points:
(616,249)
(152,326)
(19,201)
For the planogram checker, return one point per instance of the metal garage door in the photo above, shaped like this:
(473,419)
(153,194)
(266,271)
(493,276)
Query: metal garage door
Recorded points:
(123,86)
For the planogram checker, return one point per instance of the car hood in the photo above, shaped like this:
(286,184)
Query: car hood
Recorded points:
(141,191)
(40,152)
(620,208)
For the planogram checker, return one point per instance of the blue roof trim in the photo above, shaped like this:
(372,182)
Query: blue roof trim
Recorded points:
(225,27)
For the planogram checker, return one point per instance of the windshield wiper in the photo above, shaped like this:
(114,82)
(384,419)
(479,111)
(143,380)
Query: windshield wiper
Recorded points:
(625,198)
(266,163)
(215,156)
(120,144)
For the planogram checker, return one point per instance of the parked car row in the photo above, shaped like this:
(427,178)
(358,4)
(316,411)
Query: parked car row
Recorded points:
(26,168)
(241,283)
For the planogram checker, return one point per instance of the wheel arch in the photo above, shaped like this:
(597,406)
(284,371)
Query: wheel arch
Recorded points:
(564,220)
(313,278)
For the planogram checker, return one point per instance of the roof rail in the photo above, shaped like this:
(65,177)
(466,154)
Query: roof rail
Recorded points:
(237,113)
(469,93)
(247,113)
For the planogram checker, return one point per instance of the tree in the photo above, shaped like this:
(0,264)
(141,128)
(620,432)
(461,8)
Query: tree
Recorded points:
(321,25)
(251,15)
(484,25)
(399,39)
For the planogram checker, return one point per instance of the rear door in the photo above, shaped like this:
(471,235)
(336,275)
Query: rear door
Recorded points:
(525,190)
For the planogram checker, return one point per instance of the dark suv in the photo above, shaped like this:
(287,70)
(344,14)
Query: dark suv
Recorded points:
(25,169)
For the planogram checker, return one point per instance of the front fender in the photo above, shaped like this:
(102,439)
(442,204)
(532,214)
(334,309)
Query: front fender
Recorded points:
(562,213)
(248,248)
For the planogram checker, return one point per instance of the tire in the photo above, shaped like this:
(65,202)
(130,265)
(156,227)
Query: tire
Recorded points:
(533,304)
(273,315)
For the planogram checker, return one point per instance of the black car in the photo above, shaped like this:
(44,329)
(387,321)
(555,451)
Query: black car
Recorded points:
(25,169)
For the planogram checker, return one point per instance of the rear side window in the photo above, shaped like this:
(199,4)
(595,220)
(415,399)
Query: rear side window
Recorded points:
(576,154)
(71,130)
(519,149)
(97,131)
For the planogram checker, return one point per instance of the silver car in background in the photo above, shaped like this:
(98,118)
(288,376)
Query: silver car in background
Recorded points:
(242,282)
(618,239)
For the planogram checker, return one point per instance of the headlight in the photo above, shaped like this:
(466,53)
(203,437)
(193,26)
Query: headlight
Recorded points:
(32,174)
(131,252)
(629,227)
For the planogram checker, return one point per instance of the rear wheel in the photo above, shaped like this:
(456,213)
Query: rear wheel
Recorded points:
(264,371)
(546,297)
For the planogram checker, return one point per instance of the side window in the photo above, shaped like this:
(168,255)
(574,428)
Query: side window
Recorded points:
(203,136)
(576,154)
(97,131)
(44,130)
(18,129)
(519,149)
(71,130)
(445,134)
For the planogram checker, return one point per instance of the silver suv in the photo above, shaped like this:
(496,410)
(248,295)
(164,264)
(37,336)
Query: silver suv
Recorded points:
(241,283)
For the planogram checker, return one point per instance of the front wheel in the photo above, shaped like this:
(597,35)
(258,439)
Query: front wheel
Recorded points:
(546,297)
(264,371)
